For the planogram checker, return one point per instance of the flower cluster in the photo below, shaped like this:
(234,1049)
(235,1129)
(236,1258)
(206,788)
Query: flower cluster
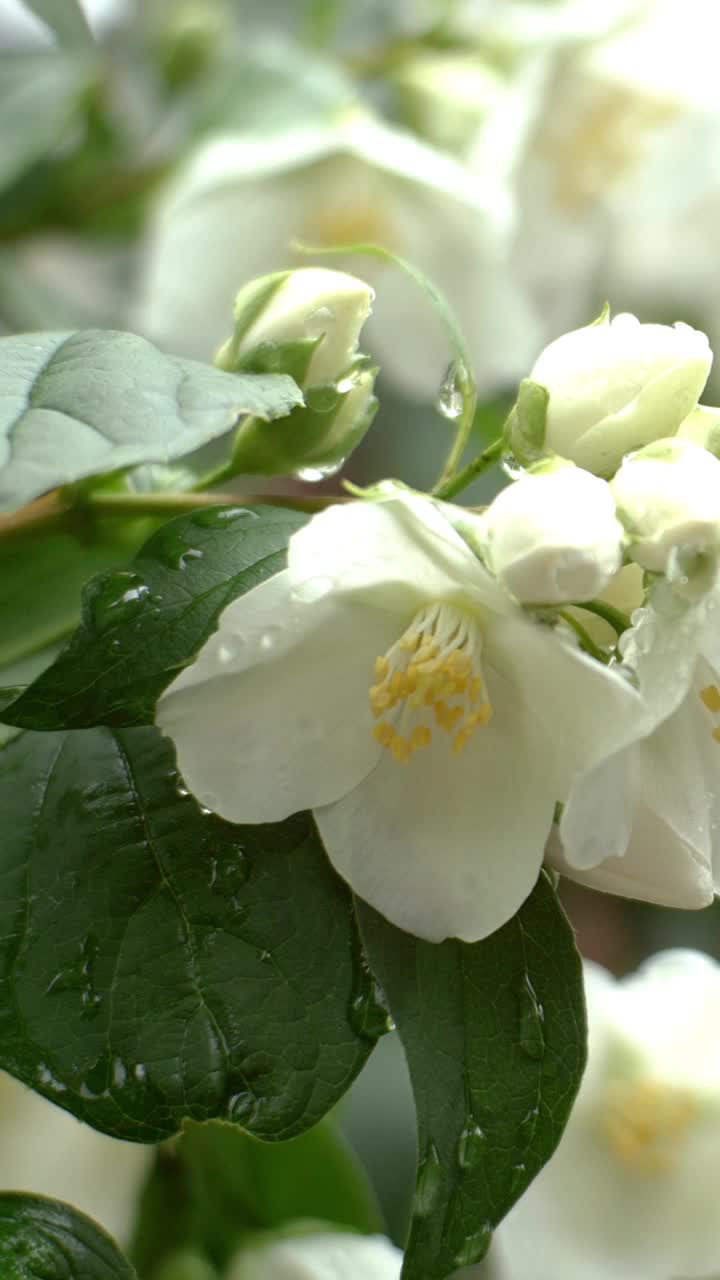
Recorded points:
(456,695)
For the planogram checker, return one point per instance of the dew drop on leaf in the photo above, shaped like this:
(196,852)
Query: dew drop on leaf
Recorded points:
(531,1037)
(116,598)
(471,1145)
(474,1247)
(429,1182)
(217,517)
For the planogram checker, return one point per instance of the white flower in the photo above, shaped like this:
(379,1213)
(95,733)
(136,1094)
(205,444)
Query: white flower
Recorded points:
(702,427)
(552,536)
(388,682)
(46,1151)
(310,305)
(241,200)
(632,1188)
(320,1256)
(644,824)
(668,497)
(615,387)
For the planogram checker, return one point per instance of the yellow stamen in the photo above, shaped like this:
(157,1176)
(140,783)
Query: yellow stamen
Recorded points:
(711,697)
(645,1123)
(716,734)
(431,672)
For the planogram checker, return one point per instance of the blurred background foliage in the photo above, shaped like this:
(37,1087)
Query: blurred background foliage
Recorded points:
(533,157)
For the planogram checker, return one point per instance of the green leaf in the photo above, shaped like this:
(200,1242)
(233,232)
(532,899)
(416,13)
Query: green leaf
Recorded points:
(43,1239)
(494,1034)
(40,95)
(141,625)
(66,19)
(43,570)
(158,963)
(86,403)
(215,1186)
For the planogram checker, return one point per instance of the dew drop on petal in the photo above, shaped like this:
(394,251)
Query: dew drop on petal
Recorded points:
(313,589)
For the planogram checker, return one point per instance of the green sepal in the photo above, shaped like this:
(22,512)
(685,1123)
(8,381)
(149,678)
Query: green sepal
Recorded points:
(527,422)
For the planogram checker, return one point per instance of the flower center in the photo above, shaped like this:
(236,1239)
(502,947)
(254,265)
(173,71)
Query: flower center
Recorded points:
(710,698)
(431,677)
(644,1123)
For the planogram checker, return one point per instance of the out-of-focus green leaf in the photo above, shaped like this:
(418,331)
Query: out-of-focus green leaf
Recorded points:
(40,94)
(216,1185)
(66,18)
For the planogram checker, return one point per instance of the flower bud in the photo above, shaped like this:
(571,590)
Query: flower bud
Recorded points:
(320,1256)
(306,323)
(314,440)
(614,387)
(668,498)
(552,536)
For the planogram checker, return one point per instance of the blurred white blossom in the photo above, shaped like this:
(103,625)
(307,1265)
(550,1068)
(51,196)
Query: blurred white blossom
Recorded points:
(319,1256)
(632,1188)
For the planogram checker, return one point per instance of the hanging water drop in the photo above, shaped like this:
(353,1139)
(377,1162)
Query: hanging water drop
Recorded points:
(451,400)
(313,475)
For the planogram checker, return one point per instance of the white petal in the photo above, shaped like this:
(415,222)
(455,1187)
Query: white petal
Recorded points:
(273,716)
(597,819)
(447,846)
(581,710)
(401,553)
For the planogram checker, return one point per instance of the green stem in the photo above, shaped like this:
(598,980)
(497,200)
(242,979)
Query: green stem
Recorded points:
(180,503)
(483,462)
(618,620)
(585,640)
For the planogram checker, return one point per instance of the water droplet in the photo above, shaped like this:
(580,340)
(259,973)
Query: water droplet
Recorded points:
(213,873)
(474,1247)
(319,321)
(214,517)
(119,1073)
(430,1178)
(228,876)
(518,1179)
(313,475)
(187,557)
(471,1145)
(322,399)
(207,802)
(45,1077)
(270,638)
(313,589)
(116,598)
(265,956)
(349,382)
(182,791)
(78,976)
(531,1017)
(369,1014)
(451,401)
(241,1106)
(140,1072)
(512,467)
(528,1124)
(230,648)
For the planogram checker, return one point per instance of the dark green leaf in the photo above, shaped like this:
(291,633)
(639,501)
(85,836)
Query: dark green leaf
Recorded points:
(141,625)
(216,1185)
(157,963)
(86,403)
(45,1240)
(494,1034)
(43,570)
(66,19)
